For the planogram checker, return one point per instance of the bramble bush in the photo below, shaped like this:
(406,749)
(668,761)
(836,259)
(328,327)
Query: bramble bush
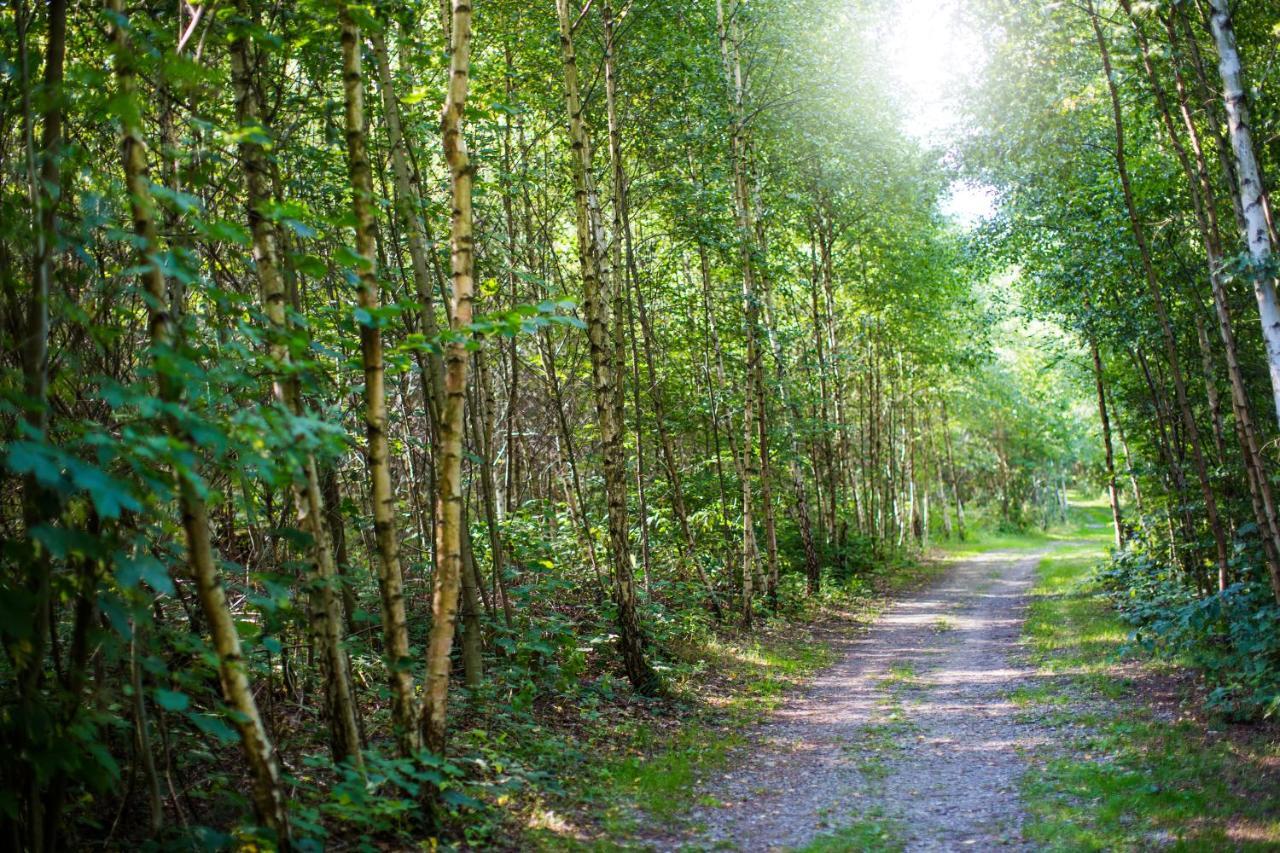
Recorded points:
(1232,636)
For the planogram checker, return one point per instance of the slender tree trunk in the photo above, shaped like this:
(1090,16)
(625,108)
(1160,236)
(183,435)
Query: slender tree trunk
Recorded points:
(1112,492)
(381,494)
(955,480)
(1128,462)
(766,476)
(597,283)
(482,428)
(721,382)
(813,573)
(622,227)
(1251,188)
(574,498)
(448,574)
(340,705)
(335,523)
(268,793)
(752,408)
(1211,388)
(408,207)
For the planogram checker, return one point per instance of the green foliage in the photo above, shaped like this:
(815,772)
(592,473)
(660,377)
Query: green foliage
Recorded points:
(1231,636)
(1124,777)
(907,369)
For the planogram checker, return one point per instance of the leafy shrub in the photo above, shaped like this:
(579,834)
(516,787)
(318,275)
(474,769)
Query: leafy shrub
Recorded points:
(1232,636)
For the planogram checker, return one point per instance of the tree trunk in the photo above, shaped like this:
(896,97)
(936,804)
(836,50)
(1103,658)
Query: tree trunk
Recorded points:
(1112,492)
(408,207)
(597,283)
(268,793)
(955,480)
(752,405)
(395,627)
(1251,190)
(448,574)
(482,416)
(813,571)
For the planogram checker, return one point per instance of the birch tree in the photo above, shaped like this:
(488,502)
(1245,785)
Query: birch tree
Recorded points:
(449,517)
(1251,190)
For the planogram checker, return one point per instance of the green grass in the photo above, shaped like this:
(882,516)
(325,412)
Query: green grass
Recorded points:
(1088,520)
(1120,778)
(901,672)
(872,832)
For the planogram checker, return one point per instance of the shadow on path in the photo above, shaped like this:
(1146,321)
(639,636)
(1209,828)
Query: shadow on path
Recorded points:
(914,725)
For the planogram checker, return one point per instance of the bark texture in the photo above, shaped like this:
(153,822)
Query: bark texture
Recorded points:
(1251,190)
(449,516)
(268,793)
(368,298)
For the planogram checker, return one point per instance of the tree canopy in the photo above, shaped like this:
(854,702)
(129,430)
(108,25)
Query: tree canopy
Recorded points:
(387,383)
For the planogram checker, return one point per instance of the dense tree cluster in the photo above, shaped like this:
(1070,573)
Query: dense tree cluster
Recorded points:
(369,368)
(1133,168)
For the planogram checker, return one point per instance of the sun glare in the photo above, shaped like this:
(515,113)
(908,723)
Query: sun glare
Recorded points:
(933,55)
(967,203)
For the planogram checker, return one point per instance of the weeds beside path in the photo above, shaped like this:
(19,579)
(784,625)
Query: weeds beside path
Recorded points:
(1133,764)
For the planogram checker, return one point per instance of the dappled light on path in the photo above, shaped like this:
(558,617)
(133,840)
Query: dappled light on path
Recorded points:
(914,727)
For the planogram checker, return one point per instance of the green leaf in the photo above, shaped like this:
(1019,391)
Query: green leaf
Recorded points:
(108,494)
(39,460)
(172,700)
(180,201)
(220,230)
(214,726)
(104,758)
(309,265)
(61,542)
(349,258)
(144,567)
(458,799)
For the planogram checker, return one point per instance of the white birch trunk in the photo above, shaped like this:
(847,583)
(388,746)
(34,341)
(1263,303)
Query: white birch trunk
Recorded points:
(1252,200)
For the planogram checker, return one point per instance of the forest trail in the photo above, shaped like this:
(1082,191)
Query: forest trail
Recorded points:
(911,736)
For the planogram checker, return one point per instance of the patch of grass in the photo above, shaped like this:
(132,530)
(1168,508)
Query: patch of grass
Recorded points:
(872,832)
(660,783)
(1088,520)
(900,672)
(1124,779)
(662,767)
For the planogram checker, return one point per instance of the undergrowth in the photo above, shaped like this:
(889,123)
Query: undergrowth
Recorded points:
(1125,773)
(1231,636)
(631,763)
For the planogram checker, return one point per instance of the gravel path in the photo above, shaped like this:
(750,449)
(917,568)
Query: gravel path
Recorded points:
(913,730)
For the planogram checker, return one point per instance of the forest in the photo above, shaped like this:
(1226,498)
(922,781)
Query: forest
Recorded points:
(464,425)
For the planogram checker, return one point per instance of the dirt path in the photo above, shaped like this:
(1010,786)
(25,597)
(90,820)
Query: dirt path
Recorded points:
(912,734)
